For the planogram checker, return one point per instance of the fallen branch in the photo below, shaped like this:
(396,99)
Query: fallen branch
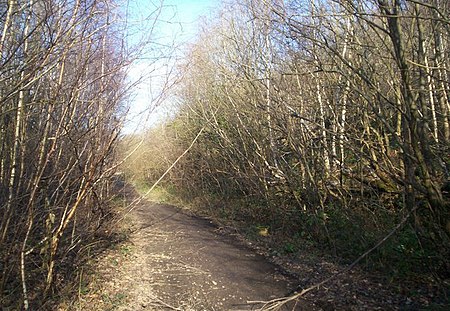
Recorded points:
(160,303)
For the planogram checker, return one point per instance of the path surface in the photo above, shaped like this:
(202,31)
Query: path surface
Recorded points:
(177,261)
(189,265)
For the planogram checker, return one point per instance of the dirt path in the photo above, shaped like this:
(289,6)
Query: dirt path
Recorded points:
(191,266)
(175,261)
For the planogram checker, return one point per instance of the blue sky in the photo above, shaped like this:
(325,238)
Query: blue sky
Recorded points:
(188,13)
(177,23)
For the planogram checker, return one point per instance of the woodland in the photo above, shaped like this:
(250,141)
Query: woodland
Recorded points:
(325,121)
